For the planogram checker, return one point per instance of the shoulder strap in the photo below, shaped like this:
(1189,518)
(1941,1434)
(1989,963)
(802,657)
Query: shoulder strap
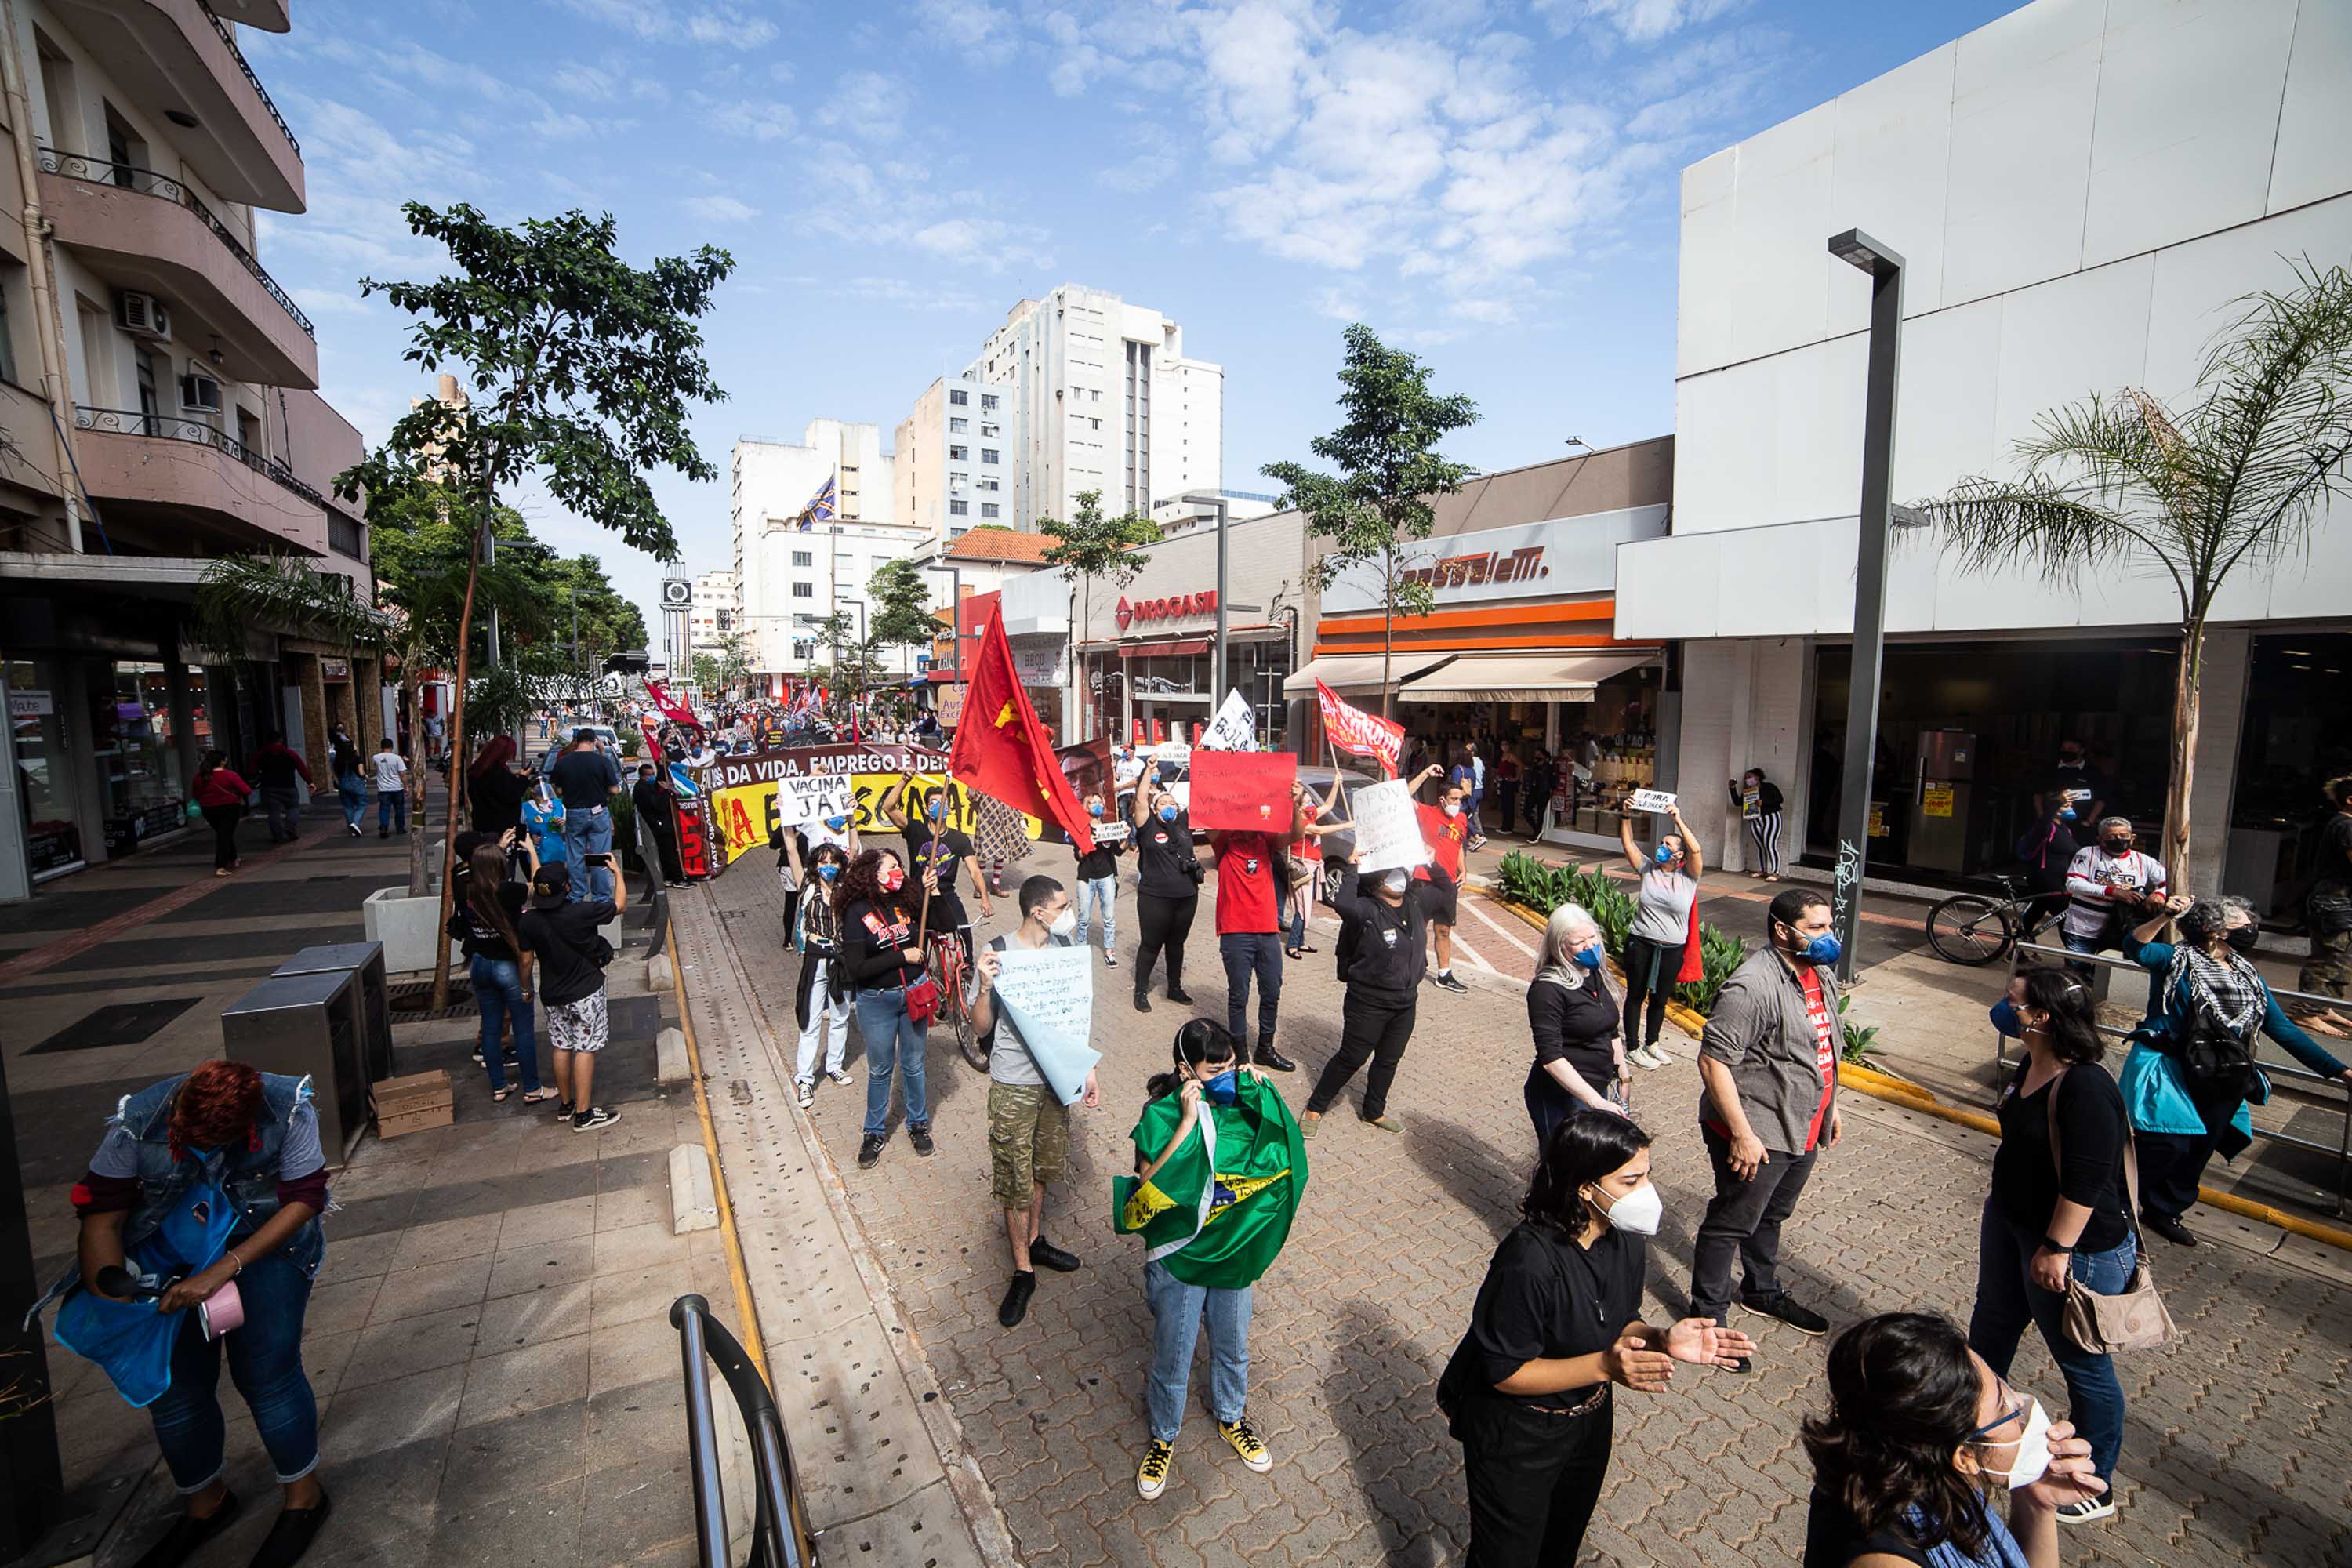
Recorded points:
(2131,1159)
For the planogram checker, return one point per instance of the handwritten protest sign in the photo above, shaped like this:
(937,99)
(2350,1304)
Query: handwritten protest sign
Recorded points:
(1364,734)
(1243,791)
(1235,729)
(1658,800)
(811,797)
(1049,996)
(1108,832)
(1388,829)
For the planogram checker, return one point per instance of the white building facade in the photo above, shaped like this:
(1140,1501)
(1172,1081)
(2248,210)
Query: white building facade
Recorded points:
(1102,398)
(953,458)
(2080,191)
(716,605)
(787,573)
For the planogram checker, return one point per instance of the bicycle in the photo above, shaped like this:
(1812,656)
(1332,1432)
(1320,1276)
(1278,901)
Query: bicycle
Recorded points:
(1975,929)
(951,970)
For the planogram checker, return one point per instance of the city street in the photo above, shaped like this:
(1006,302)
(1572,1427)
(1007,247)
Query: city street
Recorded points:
(2232,1453)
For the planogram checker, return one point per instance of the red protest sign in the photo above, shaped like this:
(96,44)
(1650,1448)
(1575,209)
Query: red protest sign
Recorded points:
(1365,734)
(1243,791)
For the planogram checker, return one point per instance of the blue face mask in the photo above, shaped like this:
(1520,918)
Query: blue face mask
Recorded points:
(1664,855)
(937,809)
(1224,1088)
(1587,957)
(1822,949)
(2005,1019)
(829,871)
(2069,814)
(1167,814)
(1095,809)
(836,823)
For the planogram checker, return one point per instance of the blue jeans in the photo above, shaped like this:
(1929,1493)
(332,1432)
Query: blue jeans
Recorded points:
(265,1361)
(2008,1299)
(1177,1309)
(588,830)
(892,1040)
(497,991)
(392,810)
(352,792)
(1102,890)
(1246,953)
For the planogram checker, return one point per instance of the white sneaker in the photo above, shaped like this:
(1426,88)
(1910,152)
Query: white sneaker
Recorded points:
(807,1087)
(838,1075)
(1651,1057)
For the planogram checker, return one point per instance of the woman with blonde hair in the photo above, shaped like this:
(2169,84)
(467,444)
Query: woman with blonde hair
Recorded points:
(1576,1019)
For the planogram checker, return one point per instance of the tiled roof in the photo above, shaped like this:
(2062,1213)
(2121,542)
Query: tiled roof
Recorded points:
(1001,544)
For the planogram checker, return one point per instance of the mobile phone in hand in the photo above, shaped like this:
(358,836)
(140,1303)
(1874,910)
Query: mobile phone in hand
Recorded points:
(599,860)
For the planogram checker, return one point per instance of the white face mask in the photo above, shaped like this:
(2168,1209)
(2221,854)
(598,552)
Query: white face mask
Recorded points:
(1066,923)
(1638,1211)
(2032,1460)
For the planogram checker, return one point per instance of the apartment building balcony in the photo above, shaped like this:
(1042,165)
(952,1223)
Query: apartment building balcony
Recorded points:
(138,229)
(178,59)
(181,487)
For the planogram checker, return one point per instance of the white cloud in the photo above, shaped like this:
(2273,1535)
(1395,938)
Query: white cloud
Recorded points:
(973,28)
(1338,307)
(316,302)
(866,103)
(745,119)
(1638,21)
(732,25)
(987,242)
(722,209)
(582,81)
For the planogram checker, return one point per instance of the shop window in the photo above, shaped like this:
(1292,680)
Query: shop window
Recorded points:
(139,762)
(53,840)
(2298,715)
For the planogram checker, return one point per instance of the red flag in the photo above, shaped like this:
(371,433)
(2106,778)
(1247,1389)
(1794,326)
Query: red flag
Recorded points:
(1242,791)
(670,710)
(1001,749)
(1365,734)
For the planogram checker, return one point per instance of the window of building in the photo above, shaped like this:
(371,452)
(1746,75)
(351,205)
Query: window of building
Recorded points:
(988,509)
(803,557)
(988,401)
(989,484)
(959,509)
(988,455)
(7,333)
(726,619)
(959,426)
(804,647)
(988,429)
(958,454)
(959,399)
(803,590)
(343,536)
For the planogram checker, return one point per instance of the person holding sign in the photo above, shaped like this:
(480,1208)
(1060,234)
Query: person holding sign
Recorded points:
(1099,884)
(1665,920)
(1168,877)
(1028,1125)
(1438,882)
(1384,943)
(1249,925)
(821,998)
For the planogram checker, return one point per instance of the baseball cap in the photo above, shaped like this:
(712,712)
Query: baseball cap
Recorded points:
(551,884)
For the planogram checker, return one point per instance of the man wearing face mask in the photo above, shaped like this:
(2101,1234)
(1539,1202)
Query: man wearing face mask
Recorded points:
(2110,888)
(1248,922)
(2073,785)
(1768,1059)
(1028,1126)
(1098,882)
(1383,938)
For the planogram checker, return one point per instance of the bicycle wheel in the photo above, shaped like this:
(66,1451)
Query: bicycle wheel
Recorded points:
(1969,929)
(948,963)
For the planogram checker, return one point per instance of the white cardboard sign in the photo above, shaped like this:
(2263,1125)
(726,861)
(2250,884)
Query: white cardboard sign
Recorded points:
(812,798)
(1049,995)
(1656,800)
(1388,829)
(1235,729)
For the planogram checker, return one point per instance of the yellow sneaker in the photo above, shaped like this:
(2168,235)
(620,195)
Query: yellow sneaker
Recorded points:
(1151,1475)
(1247,1444)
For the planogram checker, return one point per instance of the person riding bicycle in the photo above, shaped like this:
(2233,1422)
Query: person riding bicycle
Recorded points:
(934,848)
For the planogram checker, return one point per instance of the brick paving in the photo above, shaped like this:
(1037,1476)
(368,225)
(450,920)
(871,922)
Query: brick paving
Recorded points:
(2234,1452)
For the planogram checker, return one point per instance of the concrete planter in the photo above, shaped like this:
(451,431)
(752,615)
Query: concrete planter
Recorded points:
(408,928)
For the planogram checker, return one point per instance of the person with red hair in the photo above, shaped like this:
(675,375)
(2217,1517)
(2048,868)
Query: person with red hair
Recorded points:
(225,1137)
(494,791)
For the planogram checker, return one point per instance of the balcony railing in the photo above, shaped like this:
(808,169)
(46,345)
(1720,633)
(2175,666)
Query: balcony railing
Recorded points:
(146,182)
(165,428)
(238,56)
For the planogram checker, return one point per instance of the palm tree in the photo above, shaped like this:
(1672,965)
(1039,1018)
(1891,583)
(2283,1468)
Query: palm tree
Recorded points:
(2236,474)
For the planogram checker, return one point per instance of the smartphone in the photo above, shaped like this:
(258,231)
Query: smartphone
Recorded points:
(599,860)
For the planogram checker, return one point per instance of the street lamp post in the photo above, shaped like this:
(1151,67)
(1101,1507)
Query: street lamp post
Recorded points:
(1217,500)
(1873,529)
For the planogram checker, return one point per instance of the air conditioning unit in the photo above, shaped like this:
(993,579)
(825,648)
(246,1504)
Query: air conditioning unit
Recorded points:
(200,393)
(141,316)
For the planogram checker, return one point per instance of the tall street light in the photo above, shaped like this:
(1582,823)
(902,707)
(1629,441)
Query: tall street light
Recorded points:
(1215,499)
(1874,526)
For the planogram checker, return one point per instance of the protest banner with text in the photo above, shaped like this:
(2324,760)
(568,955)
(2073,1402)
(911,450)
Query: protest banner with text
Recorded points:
(1364,734)
(1388,829)
(1049,996)
(1243,791)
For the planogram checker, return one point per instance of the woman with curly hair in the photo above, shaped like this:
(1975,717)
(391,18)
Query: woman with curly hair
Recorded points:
(880,957)
(202,1180)
(1919,1428)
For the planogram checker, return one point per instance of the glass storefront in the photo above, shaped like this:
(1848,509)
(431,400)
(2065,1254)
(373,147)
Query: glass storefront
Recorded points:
(2297,736)
(52,838)
(1612,738)
(1167,696)
(140,782)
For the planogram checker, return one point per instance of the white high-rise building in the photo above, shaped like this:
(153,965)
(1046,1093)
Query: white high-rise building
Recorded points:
(953,458)
(713,612)
(1101,397)
(784,572)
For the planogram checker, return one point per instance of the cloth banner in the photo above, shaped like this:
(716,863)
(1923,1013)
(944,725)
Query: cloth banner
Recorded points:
(669,708)
(1049,995)
(1243,791)
(1388,829)
(1001,749)
(1218,1208)
(1364,734)
(1235,729)
(743,788)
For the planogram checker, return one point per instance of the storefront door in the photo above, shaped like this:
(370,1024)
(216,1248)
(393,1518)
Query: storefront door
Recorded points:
(52,838)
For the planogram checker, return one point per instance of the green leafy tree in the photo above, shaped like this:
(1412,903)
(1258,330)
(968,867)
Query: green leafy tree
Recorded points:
(1091,545)
(579,368)
(2233,476)
(900,605)
(1377,506)
(707,679)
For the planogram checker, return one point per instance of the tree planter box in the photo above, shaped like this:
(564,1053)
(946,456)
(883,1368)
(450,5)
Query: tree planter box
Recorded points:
(408,927)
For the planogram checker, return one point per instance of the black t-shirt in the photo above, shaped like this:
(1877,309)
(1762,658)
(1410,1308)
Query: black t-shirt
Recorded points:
(1577,1025)
(583,779)
(479,937)
(1162,850)
(652,801)
(1545,1298)
(948,851)
(2336,851)
(1832,1539)
(873,940)
(1387,949)
(1100,862)
(495,798)
(564,937)
(2027,1185)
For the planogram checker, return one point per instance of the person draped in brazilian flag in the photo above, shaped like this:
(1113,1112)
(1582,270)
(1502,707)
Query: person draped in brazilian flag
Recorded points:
(1219,1168)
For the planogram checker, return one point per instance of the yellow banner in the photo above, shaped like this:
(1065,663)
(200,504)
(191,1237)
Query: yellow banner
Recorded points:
(747,814)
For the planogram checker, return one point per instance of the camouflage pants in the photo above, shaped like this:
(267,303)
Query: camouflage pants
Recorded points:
(1028,1142)
(2329,970)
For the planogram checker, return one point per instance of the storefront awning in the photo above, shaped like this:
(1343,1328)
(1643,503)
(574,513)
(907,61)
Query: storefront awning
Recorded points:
(1160,649)
(1356,674)
(1520,676)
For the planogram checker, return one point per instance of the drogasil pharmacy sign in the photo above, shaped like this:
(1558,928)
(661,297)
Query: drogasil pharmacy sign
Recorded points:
(1176,607)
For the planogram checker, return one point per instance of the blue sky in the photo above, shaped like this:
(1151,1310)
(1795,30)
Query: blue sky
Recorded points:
(1492,182)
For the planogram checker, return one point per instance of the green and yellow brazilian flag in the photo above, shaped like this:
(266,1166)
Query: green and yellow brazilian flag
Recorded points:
(1218,1212)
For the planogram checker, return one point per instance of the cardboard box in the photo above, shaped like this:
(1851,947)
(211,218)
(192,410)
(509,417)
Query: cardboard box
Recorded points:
(413,1104)
(416,1121)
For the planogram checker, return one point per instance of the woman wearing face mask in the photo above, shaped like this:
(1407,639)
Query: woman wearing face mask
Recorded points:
(1557,1319)
(542,825)
(1168,877)
(1579,1055)
(822,998)
(1662,948)
(792,857)
(1383,940)
(1215,1142)
(1301,868)
(1758,799)
(878,957)
(1098,898)
(1918,1428)
(2191,1069)
(2060,1210)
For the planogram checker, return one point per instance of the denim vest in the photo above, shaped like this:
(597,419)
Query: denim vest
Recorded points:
(248,1174)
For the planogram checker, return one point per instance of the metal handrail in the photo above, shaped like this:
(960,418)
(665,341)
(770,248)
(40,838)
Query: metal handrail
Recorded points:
(163,427)
(238,56)
(146,182)
(780,1532)
(2341,1149)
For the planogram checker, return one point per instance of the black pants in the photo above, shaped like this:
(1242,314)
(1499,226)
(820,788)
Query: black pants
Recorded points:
(665,841)
(1165,923)
(1743,1220)
(1375,1026)
(1507,800)
(1534,1479)
(223,821)
(2171,1165)
(1650,969)
(792,916)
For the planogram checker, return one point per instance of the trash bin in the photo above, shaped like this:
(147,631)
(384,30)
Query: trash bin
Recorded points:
(366,960)
(308,1025)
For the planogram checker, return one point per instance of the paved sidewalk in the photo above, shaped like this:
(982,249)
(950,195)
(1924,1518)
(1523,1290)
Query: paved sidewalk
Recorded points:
(2232,1454)
(487,1336)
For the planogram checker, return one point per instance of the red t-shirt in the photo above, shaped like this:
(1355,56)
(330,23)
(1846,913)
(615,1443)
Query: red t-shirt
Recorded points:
(1443,835)
(1825,1037)
(1245,883)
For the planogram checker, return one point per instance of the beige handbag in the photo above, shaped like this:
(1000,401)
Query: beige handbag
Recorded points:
(2134,1319)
